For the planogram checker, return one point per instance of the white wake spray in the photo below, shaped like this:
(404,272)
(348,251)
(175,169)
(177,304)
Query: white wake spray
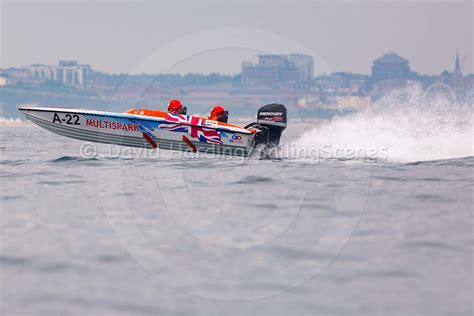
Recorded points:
(405,126)
(8,121)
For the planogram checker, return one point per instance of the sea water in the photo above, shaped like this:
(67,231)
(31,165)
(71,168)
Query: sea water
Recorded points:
(368,214)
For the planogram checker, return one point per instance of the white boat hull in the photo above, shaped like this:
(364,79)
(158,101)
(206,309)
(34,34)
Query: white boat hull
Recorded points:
(133,130)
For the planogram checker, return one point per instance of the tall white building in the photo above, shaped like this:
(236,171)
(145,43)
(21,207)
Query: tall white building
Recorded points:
(68,72)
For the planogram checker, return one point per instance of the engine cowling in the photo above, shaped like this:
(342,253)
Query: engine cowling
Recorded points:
(271,122)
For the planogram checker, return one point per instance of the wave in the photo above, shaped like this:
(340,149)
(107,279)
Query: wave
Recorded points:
(65,159)
(405,126)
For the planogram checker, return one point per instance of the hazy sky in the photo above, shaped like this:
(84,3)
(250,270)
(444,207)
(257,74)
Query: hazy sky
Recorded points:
(215,36)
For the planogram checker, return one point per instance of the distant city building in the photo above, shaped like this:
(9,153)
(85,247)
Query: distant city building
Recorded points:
(341,83)
(390,67)
(457,78)
(385,87)
(16,74)
(352,101)
(3,81)
(305,65)
(274,70)
(67,72)
(42,72)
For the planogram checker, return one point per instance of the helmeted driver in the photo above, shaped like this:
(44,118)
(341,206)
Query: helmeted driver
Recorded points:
(176,107)
(218,113)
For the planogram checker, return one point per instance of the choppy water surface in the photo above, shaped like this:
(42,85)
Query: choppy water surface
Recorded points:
(132,235)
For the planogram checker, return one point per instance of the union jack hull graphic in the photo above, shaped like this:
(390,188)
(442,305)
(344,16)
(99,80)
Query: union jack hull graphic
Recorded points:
(204,135)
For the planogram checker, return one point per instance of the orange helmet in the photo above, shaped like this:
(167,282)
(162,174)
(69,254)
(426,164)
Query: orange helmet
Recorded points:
(217,112)
(175,106)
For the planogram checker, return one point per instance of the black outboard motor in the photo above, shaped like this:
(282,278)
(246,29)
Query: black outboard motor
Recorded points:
(271,122)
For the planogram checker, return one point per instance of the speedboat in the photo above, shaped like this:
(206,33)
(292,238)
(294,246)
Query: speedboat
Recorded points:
(158,129)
